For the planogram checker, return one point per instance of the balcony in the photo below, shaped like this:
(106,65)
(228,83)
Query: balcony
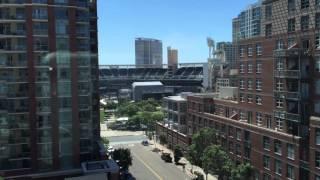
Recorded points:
(287,52)
(294,74)
(287,116)
(12,1)
(287,95)
(18,16)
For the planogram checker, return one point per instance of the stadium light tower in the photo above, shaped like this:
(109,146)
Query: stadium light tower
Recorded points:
(211,45)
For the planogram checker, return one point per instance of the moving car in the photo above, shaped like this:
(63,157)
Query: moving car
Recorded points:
(145,143)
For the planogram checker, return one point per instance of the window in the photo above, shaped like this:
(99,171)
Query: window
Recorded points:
(279,85)
(241,68)
(304,23)
(269,121)
(290,151)
(238,149)
(230,131)
(266,143)
(249,117)
(291,25)
(268,12)
(61,27)
(290,172)
(250,68)
(258,85)
(317,20)
(238,134)
(266,162)
(242,116)
(317,159)
(317,3)
(279,44)
(266,176)
(258,100)
(304,4)
(259,49)
(291,5)
(242,98)
(249,98)
(317,136)
(277,167)
(250,84)
(277,147)
(268,30)
(279,103)
(39,13)
(259,119)
(317,41)
(241,82)
(280,66)
(250,51)
(259,68)
(241,52)
(279,123)
(291,41)
(231,147)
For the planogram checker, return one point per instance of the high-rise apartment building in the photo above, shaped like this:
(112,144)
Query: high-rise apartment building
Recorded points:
(172,57)
(148,52)
(248,23)
(49,99)
(227,52)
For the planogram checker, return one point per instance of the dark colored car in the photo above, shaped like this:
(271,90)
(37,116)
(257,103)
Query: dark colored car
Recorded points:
(166,157)
(145,143)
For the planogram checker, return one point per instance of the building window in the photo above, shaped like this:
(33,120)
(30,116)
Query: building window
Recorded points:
(258,100)
(259,119)
(241,52)
(258,85)
(317,20)
(266,143)
(249,98)
(279,44)
(317,41)
(242,116)
(317,136)
(279,123)
(250,51)
(238,134)
(266,162)
(280,66)
(268,12)
(268,30)
(290,172)
(304,4)
(241,68)
(290,151)
(277,167)
(259,49)
(250,68)
(241,82)
(279,103)
(259,68)
(291,25)
(279,85)
(277,147)
(238,149)
(250,84)
(242,98)
(317,159)
(266,176)
(230,131)
(231,147)
(304,23)
(269,121)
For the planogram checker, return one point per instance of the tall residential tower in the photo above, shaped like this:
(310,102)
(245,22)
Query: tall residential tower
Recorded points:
(148,52)
(49,118)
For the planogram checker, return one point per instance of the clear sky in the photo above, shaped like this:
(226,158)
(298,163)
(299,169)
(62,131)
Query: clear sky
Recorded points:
(181,24)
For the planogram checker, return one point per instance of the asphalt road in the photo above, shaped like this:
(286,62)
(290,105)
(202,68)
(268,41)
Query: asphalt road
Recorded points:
(148,165)
(116,140)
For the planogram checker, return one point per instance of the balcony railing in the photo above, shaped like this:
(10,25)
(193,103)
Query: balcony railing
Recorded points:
(287,95)
(8,33)
(12,1)
(295,74)
(14,48)
(287,52)
(287,116)
(17,16)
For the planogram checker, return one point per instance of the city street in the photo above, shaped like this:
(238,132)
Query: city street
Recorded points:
(148,165)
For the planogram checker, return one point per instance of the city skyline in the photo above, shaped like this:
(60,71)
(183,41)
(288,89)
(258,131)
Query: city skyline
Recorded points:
(126,20)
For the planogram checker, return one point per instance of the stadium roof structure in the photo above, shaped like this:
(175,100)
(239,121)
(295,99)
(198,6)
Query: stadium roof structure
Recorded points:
(150,83)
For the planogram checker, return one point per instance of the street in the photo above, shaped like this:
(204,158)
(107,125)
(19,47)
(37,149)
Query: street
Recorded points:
(147,165)
(128,139)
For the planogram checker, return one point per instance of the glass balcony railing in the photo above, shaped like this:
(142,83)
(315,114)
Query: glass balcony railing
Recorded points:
(18,16)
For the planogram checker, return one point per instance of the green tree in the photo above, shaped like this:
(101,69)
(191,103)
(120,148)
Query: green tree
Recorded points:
(105,141)
(200,141)
(123,157)
(242,172)
(216,161)
(177,154)
(163,139)
(157,116)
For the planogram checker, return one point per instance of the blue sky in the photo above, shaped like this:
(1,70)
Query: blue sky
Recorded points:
(181,24)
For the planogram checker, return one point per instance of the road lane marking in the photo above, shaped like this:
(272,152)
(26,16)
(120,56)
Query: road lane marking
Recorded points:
(147,166)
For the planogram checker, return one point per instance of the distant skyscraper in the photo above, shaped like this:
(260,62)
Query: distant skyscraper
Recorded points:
(172,57)
(227,52)
(148,51)
(248,23)
(49,101)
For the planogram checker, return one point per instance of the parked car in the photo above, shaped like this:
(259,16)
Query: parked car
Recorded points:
(145,143)
(166,157)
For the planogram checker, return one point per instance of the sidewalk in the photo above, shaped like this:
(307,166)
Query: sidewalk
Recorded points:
(188,166)
(104,132)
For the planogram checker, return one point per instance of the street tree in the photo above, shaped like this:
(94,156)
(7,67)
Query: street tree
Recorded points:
(177,154)
(123,157)
(216,161)
(200,141)
(242,172)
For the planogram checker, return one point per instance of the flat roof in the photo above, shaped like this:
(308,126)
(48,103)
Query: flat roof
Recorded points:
(175,98)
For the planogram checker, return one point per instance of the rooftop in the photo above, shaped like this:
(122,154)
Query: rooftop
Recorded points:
(150,83)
